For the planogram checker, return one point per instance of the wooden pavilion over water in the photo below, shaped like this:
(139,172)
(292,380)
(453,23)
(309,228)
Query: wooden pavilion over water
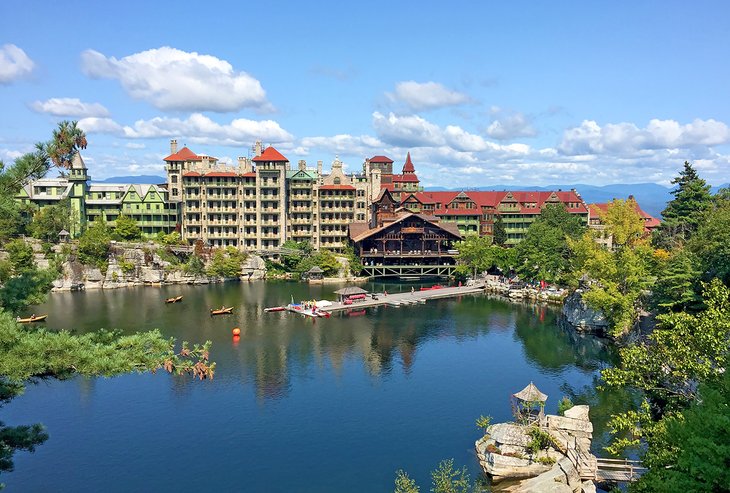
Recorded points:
(406,245)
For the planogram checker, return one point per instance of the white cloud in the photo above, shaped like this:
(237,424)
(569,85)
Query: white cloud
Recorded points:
(406,131)
(197,128)
(426,95)
(363,145)
(511,126)
(14,64)
(172,79)
(626,139)
(69,107)
(9,155)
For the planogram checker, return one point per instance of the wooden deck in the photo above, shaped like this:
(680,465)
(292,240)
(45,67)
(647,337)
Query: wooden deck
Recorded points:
(405,299)
(618,470)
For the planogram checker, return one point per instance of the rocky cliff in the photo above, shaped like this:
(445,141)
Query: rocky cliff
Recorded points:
(140,266)
(580,317)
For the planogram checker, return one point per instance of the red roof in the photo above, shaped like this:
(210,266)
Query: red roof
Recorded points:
(408,178)
(220,174)
(380,159)
(408,167)
(191,173)
(337,187)
(270,155)
(183,154)
(457,212)
(252,174)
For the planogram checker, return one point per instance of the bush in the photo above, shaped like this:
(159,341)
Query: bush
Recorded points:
(195,265)
(547,461)
(20,255)
(541,440)
(226,263)
(126,228)
(564,404)
(484,422)
(127,267)
(94,245)
(169,239)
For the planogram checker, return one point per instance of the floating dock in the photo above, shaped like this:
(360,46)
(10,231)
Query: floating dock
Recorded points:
(405,299)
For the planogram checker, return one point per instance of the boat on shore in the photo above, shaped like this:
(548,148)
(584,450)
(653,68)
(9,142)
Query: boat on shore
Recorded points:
(221,311)
(31,319)
(275,309)
(174,300)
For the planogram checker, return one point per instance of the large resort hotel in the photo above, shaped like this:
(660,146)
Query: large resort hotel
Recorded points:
(260,202)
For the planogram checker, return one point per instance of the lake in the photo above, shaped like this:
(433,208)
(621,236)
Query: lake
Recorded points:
(335,404)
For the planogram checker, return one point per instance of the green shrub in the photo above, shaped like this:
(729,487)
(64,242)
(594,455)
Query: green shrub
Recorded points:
(94,245)
(483,422)
(20,255)
(194,265)
(547,461)
(564,404)
(127,267)
(540,440)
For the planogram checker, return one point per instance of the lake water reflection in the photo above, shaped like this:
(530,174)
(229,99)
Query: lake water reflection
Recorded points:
(334,404)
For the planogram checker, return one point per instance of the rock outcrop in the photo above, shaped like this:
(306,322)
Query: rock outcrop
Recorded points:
(141,266)
(505,453)
(580,317)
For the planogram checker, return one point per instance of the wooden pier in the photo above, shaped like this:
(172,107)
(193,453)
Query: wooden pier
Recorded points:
(405,299)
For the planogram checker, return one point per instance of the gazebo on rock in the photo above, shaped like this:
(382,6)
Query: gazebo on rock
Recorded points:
(528,405)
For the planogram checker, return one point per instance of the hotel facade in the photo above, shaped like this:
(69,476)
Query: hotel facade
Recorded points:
(260,202)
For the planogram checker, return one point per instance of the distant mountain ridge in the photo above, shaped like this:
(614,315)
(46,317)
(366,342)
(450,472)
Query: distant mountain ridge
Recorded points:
(143,179)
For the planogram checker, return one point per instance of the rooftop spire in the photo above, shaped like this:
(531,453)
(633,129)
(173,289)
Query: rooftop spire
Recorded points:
(408,167)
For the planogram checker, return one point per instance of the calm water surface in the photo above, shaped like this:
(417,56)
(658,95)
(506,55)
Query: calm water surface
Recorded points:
(334,405)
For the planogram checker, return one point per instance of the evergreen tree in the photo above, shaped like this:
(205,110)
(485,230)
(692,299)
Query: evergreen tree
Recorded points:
(684,212)
(499,233)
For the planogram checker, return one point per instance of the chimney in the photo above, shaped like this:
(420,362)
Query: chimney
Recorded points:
(319,168)
(173,146)
(302,165)
(257,148)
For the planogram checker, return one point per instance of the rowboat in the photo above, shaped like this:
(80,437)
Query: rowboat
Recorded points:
(174,300)
(221,311)
(31,319)
(275,309)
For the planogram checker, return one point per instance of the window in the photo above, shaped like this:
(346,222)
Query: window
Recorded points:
(173,178)
(337,181)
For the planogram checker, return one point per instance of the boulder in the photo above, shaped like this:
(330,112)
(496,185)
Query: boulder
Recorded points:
(580,317)
(578,412)
(509,434)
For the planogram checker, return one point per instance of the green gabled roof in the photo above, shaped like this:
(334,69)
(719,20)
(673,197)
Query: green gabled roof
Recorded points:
(298,174)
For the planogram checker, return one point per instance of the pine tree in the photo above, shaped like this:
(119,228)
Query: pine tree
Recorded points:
(684,212)
(499,233)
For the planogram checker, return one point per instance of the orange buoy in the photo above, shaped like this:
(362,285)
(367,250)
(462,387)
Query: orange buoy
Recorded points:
(236,331)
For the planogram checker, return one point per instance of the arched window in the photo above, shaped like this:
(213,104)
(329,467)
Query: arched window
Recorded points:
(337,181)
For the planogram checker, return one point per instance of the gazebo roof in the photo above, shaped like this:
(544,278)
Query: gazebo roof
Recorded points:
(531,394)
(63,232)
(350,290)
(315,270)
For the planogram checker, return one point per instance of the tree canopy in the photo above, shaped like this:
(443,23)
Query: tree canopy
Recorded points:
(544,254)
(683,213)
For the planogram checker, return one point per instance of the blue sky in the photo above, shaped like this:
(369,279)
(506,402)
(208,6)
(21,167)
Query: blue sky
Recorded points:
(480,93)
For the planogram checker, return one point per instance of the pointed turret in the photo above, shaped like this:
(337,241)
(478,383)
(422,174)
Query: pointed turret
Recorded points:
(408,167)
